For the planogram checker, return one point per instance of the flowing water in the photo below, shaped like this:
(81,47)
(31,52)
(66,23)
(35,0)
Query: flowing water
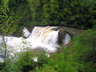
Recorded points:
(67,39)
(40,37)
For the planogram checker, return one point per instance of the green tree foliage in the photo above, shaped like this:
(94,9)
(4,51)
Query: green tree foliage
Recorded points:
(75,13)
(84,50)
(10,66)
(25,62)
(45,68)
(42,58)
(81,57)
(7,19)
(86,45)
(50,15)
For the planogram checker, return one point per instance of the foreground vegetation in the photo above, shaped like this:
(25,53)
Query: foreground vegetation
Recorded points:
(81,57)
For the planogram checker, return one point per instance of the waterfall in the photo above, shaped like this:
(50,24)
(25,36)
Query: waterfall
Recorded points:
(44,37)
(40,37)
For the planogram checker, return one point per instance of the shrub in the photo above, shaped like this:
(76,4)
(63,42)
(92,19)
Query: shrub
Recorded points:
(10,67)
(2,65)
(42,59)
(84,50)
(25,61)
(45,68)
(86,45)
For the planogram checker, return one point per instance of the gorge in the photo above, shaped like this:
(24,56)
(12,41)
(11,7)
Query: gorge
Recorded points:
(46,38)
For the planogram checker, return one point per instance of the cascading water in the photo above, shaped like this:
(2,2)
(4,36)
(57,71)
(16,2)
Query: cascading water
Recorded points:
(44,37)
(41,37)
(26,33)
(67,39)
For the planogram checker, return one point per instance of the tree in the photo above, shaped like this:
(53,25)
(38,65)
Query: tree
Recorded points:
(7,23)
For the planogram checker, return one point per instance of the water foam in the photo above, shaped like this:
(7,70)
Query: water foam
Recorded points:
(43,37)
(67,39)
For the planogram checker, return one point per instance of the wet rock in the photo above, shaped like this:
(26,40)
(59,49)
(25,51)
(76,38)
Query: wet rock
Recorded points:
(55,29)
(72,31)
(61,36)
(66,30)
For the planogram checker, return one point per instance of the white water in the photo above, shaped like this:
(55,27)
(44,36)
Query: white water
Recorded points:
(26,33)
(67,39)
(44,37)
(41,37)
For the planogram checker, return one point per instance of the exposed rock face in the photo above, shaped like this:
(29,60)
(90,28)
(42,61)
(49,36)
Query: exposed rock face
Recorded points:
(61,36)
(66,30)
(71,31)
(55,29)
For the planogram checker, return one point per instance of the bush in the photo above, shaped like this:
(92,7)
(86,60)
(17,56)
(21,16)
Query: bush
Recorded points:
(45,68)
(10,67)
(84,50)
(42,59)
(25,61)
(86,45)
(2,65)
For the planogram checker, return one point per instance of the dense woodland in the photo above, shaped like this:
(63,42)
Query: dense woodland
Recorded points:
(80,57)
(73,13)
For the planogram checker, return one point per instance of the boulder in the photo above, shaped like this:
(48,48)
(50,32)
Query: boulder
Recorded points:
(71,31)
(61,36)
(67,30)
